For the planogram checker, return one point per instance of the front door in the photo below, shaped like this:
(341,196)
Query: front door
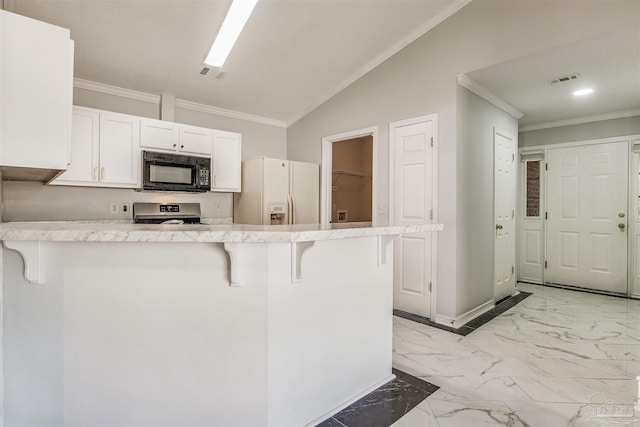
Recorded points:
(587,216)
(504,197)
(413,204)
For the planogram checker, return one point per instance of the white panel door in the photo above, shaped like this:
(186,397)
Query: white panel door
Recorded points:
(504,198)
(587,216)
(305,196)
(531,241)
(413,204)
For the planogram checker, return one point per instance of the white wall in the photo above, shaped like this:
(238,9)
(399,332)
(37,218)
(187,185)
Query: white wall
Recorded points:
(581,132)
(33,201)
(421,79)
(27,201)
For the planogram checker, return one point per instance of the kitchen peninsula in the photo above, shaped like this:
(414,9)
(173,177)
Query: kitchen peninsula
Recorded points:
(123,324)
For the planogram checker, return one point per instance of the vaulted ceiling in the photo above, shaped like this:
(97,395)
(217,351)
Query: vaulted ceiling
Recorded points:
(295,54)
(292,55)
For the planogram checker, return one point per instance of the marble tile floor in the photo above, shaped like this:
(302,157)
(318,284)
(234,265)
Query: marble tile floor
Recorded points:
(395,399)
(500,308)
(558,358)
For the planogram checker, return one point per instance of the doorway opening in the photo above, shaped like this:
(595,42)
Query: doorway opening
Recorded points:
(351,183)
(348,177)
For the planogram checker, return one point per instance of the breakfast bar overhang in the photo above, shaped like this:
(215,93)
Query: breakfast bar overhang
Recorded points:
(120,324)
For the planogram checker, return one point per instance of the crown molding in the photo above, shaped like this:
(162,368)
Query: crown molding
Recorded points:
(453,7)
(203,108)
(115,90)
(475,87)
(581,120)
(180,103)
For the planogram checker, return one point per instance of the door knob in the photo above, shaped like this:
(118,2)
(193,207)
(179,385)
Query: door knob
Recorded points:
(498,227)
(621,226)
(621,215)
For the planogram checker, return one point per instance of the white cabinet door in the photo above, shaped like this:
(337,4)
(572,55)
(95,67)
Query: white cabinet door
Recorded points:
(226,161)
(119,150)
(36,87)
(195,140)
(158,135)
(83,168)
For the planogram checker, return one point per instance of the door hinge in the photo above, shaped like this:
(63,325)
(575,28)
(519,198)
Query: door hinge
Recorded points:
(546,215)
(513,214)
(429,286)
(545,264)
(513,269)
(513,157)
(432,141)
(546,166)
(431,214)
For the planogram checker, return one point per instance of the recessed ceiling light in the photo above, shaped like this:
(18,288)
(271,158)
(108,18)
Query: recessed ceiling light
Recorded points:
(233,24)
(583,92)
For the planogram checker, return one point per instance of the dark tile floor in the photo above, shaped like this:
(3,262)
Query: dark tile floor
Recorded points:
(502,306)
(385,405)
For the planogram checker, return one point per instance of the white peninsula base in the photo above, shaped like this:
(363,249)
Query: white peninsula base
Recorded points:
(157,333)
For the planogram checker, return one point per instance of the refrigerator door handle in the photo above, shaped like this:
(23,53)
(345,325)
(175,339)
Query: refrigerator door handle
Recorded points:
(289,209)
(293,210)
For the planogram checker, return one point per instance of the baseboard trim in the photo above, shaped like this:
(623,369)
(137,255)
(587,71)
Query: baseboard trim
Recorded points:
(349,401)
(466,317)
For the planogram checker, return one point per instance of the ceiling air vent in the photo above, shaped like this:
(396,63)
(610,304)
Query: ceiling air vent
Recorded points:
(212,73)
(564,79)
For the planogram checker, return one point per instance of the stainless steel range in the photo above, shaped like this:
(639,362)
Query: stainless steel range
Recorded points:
(166,213)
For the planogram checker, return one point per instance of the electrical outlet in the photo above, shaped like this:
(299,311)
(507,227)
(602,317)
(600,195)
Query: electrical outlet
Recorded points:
(125,207)
(114,208)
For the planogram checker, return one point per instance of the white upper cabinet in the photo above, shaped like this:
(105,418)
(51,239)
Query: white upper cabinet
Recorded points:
(36,90)
(85,146)
(105,150)
(226,160)
(160,135)
(195,140)
(119,150)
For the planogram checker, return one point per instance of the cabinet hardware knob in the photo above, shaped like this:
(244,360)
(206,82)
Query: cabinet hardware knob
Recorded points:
(621,226)
(498,227)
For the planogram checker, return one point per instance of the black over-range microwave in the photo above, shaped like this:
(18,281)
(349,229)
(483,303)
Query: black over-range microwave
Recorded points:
(175,172)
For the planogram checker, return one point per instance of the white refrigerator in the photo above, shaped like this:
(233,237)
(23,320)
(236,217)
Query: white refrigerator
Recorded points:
(278,191)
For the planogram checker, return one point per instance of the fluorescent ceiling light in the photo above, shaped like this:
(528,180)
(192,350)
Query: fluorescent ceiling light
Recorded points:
(237,16)
(583,92)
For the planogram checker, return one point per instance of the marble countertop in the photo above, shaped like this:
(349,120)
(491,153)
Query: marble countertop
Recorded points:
(84,231)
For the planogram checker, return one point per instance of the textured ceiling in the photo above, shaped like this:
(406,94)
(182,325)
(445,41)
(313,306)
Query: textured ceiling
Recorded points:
(295,54)
(609,63)
(291,57)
